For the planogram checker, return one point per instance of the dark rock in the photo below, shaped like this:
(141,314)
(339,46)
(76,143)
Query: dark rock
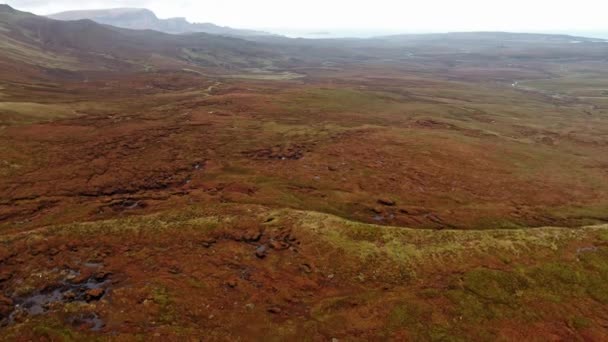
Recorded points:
(386,201)
(260,252)
(94,294)
(102,275)
(69,296)
(274,310)
(81,277)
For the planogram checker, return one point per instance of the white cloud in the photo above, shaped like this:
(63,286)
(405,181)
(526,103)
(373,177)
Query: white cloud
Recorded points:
(419,15)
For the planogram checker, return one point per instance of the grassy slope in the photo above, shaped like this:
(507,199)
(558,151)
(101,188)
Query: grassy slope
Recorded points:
(386,281)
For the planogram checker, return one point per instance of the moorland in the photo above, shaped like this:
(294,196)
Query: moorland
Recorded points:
(414,187)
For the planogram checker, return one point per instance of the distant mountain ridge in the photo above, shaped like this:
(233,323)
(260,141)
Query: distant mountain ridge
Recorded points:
(144,19)
(35,47)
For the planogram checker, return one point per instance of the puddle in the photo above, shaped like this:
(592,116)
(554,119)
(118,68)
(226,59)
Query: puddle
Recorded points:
(382,218)
(588,249)
(127,204)
(94,288)
(378,218)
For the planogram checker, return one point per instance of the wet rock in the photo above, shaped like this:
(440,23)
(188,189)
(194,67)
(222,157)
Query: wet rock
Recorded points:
(94,294)
(81,277)
(261,251)
(69,296)
(102,276)
(387,202)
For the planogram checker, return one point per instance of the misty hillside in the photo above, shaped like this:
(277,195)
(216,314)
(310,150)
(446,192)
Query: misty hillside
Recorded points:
(144,19)
(86,45)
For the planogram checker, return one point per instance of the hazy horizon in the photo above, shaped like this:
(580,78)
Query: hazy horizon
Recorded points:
(317,19)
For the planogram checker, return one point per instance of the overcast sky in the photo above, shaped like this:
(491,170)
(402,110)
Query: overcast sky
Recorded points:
(398,15)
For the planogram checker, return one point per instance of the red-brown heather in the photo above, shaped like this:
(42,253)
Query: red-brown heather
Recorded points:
(188,187)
